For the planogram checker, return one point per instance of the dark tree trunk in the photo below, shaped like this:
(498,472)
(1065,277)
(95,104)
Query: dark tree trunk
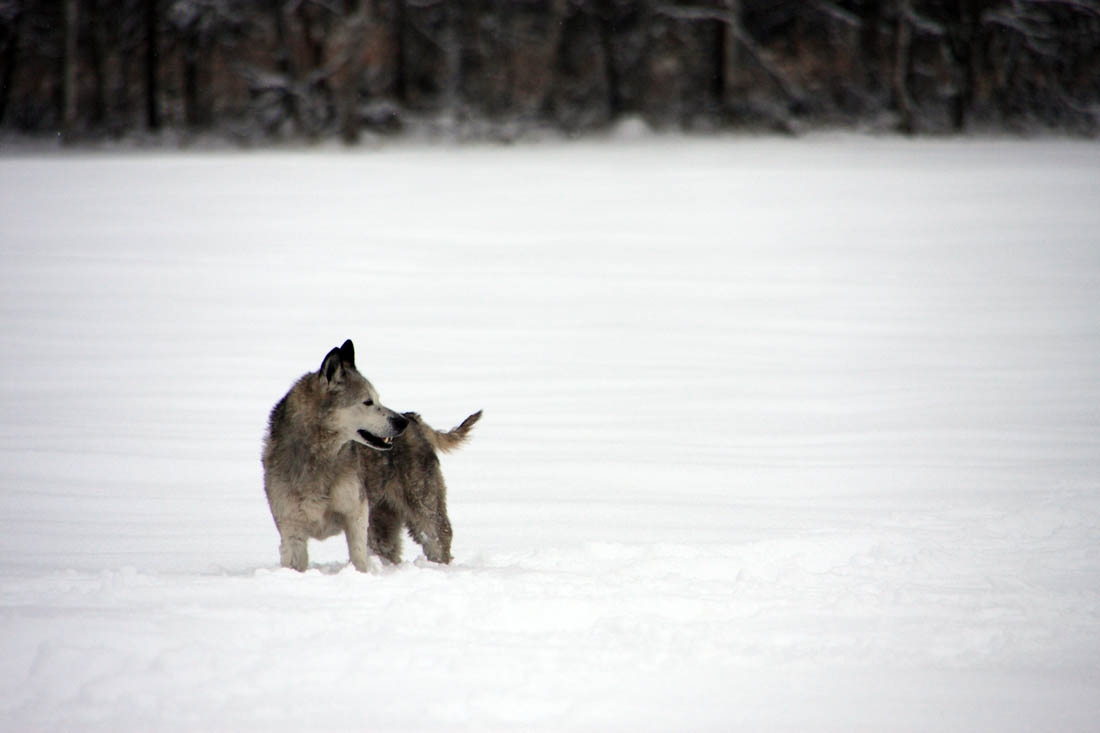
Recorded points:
(452,60)
(400,75)
(69,72)
(96,61)
(963,39)
(9,56)
(152,60)
(285,65)
(902,59)
(736,81)
(720,78)
(611,71)
(870,45)
(192,99)
(351,71)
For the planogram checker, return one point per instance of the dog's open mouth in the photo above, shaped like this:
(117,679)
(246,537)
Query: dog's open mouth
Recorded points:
(376,442)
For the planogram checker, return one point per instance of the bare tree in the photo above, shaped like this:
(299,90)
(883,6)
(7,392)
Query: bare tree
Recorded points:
(964,37)
(903,42)
(348,65)
(286,67)
(11,22)
(452,62)
(69,89)
(152,63)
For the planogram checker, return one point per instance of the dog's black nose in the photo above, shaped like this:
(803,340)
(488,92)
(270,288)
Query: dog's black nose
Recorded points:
(399,423)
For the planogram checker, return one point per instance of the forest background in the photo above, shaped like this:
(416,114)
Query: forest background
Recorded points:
(261,71)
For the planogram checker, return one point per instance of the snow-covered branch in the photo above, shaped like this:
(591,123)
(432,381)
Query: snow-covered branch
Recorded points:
(1082,6)
(834,11)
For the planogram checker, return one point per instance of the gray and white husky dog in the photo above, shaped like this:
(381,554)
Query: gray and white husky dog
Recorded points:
(336,460)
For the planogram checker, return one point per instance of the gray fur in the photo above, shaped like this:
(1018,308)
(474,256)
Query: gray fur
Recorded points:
(406,489)
(335,460)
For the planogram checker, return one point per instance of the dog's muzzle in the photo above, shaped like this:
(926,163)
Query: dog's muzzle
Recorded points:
(385,442)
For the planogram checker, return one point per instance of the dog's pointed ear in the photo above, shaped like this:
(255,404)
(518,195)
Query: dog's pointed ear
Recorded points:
(347,353)
(331,367)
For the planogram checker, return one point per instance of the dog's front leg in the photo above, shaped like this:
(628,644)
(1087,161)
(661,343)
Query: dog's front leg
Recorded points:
(355,528)
(294,552)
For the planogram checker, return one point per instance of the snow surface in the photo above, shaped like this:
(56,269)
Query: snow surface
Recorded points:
(778,435)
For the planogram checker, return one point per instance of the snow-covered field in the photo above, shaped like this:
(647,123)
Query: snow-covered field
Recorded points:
(779,435)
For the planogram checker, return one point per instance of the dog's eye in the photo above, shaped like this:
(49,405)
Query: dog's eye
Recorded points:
(368,403)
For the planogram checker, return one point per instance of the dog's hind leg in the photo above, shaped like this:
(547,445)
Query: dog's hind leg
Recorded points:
(433,533)
(427,519)
(294,552)
(384,531)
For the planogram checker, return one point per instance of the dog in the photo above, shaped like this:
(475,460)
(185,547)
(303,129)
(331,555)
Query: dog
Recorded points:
(336,460)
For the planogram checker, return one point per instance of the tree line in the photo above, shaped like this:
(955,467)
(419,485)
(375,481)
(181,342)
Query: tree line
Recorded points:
(312,69)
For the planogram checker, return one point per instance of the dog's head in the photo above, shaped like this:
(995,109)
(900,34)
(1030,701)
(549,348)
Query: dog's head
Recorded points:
(355,412)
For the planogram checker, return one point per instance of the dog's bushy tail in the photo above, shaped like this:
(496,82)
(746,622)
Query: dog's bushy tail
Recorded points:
(450,440)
